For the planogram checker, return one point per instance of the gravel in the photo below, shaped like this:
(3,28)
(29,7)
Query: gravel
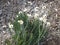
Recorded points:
(51,8)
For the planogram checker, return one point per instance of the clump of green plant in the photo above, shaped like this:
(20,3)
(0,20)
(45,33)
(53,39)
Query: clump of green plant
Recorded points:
(27,31)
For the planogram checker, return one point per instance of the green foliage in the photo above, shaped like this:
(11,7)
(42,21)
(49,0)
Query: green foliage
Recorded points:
(31,32)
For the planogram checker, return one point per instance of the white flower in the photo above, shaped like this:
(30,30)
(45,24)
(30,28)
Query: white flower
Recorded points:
(20,12)
(10,25)
(29,15)
(36,15)
(20,21)
(48,23)
(41,19)
(16,15)
(44,20)
(44,16)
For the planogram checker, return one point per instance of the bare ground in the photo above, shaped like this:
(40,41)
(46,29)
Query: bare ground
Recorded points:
(9,8)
